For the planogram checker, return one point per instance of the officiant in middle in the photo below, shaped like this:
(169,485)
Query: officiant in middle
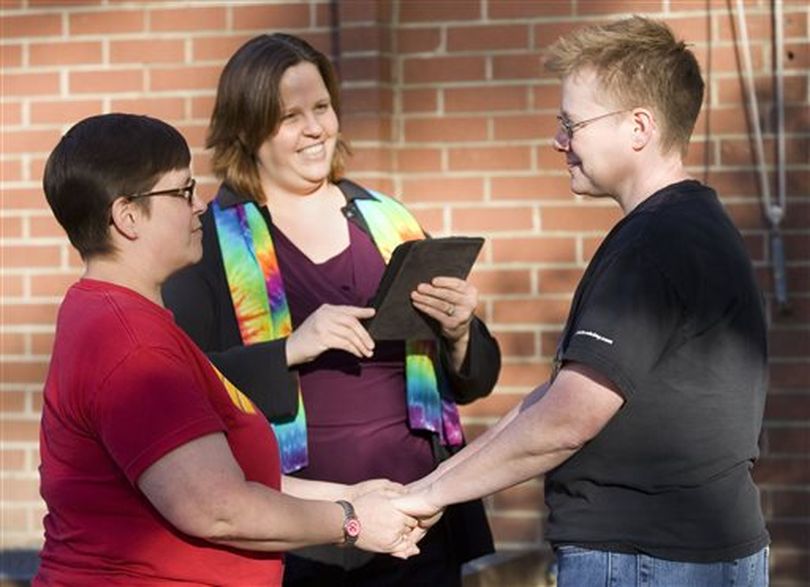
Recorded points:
(292,252)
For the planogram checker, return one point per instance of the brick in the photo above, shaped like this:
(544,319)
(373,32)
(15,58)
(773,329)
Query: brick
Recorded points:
(445,129)
(30,256)
(527,496)
(174,79)
(617,7)
(25,26)
(443,188)
(521,530)
(372,159)
(10,113)
(10,170)
(168,109)
(24,372)
(796,56)
(11,401)
(730,92)
(419,70)
(273,17)
(487,37)
(28,141)
(147,51)
(492,219)
(418,160)
(489,158)
(515,311)
(431,220)
(530,187)
(42,343)
(494,405)
(439,10)
(188,19)
(52,285)
(548,343)
(795,375)
(485,98)
(108,22)
(793,534)
(202,106)
(12,460)
(521,9)
(502,281)
(10,226)
(42,314)
(421,40)
(374,68)
(365,11)
(10,56)
(64,111)
(11,343)
(523,66)
(217,49)
(106,81)
(558,280)
(760,28)
(519,127)
(789,441)
(19,489)
(517,344)
(692,29)
(365,128)
(365,38)
(787,407)
(15,519)
(65,53)
(11,286)
(367,100)
(28,84)
(579,218)
(540,249)
(789,567)
(788,343)
(421,100)
(546,33)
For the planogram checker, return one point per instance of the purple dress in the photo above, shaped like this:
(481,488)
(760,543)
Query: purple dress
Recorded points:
(357,416)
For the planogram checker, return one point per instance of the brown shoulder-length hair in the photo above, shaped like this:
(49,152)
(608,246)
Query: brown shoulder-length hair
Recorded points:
(248,108)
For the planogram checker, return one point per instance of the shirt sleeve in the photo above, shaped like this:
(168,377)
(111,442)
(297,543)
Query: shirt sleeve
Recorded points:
(480,369)
(149,405)
(629,315)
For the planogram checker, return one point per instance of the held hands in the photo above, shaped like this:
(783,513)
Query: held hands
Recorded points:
(330,327)
(384,527)
(451,302)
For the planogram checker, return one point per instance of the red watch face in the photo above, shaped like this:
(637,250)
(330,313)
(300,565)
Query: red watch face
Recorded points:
(352,528)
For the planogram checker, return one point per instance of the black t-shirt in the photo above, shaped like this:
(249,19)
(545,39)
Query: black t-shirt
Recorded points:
(668,310)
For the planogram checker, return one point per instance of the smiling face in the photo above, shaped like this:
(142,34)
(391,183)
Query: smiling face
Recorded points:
(298,157)
(599,154)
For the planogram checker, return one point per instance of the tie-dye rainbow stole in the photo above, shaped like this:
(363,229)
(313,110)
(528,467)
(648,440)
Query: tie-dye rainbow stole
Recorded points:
(262,313)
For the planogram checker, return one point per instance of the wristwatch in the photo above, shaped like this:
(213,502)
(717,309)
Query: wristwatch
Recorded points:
(351,525)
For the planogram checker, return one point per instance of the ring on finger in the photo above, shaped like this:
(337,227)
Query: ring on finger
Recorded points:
(450,310)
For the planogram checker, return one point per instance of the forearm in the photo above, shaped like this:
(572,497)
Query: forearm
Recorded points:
(262,519)
(308,489)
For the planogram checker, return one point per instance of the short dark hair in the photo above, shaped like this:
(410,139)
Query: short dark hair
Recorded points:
(101,159)
(248,107)
(639,62)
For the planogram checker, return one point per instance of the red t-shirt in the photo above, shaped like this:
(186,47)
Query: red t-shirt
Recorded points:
(125,387)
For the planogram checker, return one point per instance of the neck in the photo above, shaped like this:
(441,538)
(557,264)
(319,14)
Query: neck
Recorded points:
(283,202)
(649,178)
(126,274)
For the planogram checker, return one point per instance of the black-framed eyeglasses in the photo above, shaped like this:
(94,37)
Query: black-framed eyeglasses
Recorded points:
(569,127)
(186,192)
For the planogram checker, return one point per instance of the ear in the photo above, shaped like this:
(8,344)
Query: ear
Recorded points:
(124,216)
(643,128)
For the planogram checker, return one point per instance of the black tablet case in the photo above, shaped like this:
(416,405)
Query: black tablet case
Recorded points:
(412,263)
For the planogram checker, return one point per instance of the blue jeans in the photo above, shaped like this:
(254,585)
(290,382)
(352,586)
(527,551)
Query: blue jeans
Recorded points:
(580,567)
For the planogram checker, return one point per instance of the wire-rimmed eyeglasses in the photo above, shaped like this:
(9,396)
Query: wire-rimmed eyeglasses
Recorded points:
(569,128)
(185,192)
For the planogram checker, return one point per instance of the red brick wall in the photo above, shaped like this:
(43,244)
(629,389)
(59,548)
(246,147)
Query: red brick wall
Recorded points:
(447,107)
